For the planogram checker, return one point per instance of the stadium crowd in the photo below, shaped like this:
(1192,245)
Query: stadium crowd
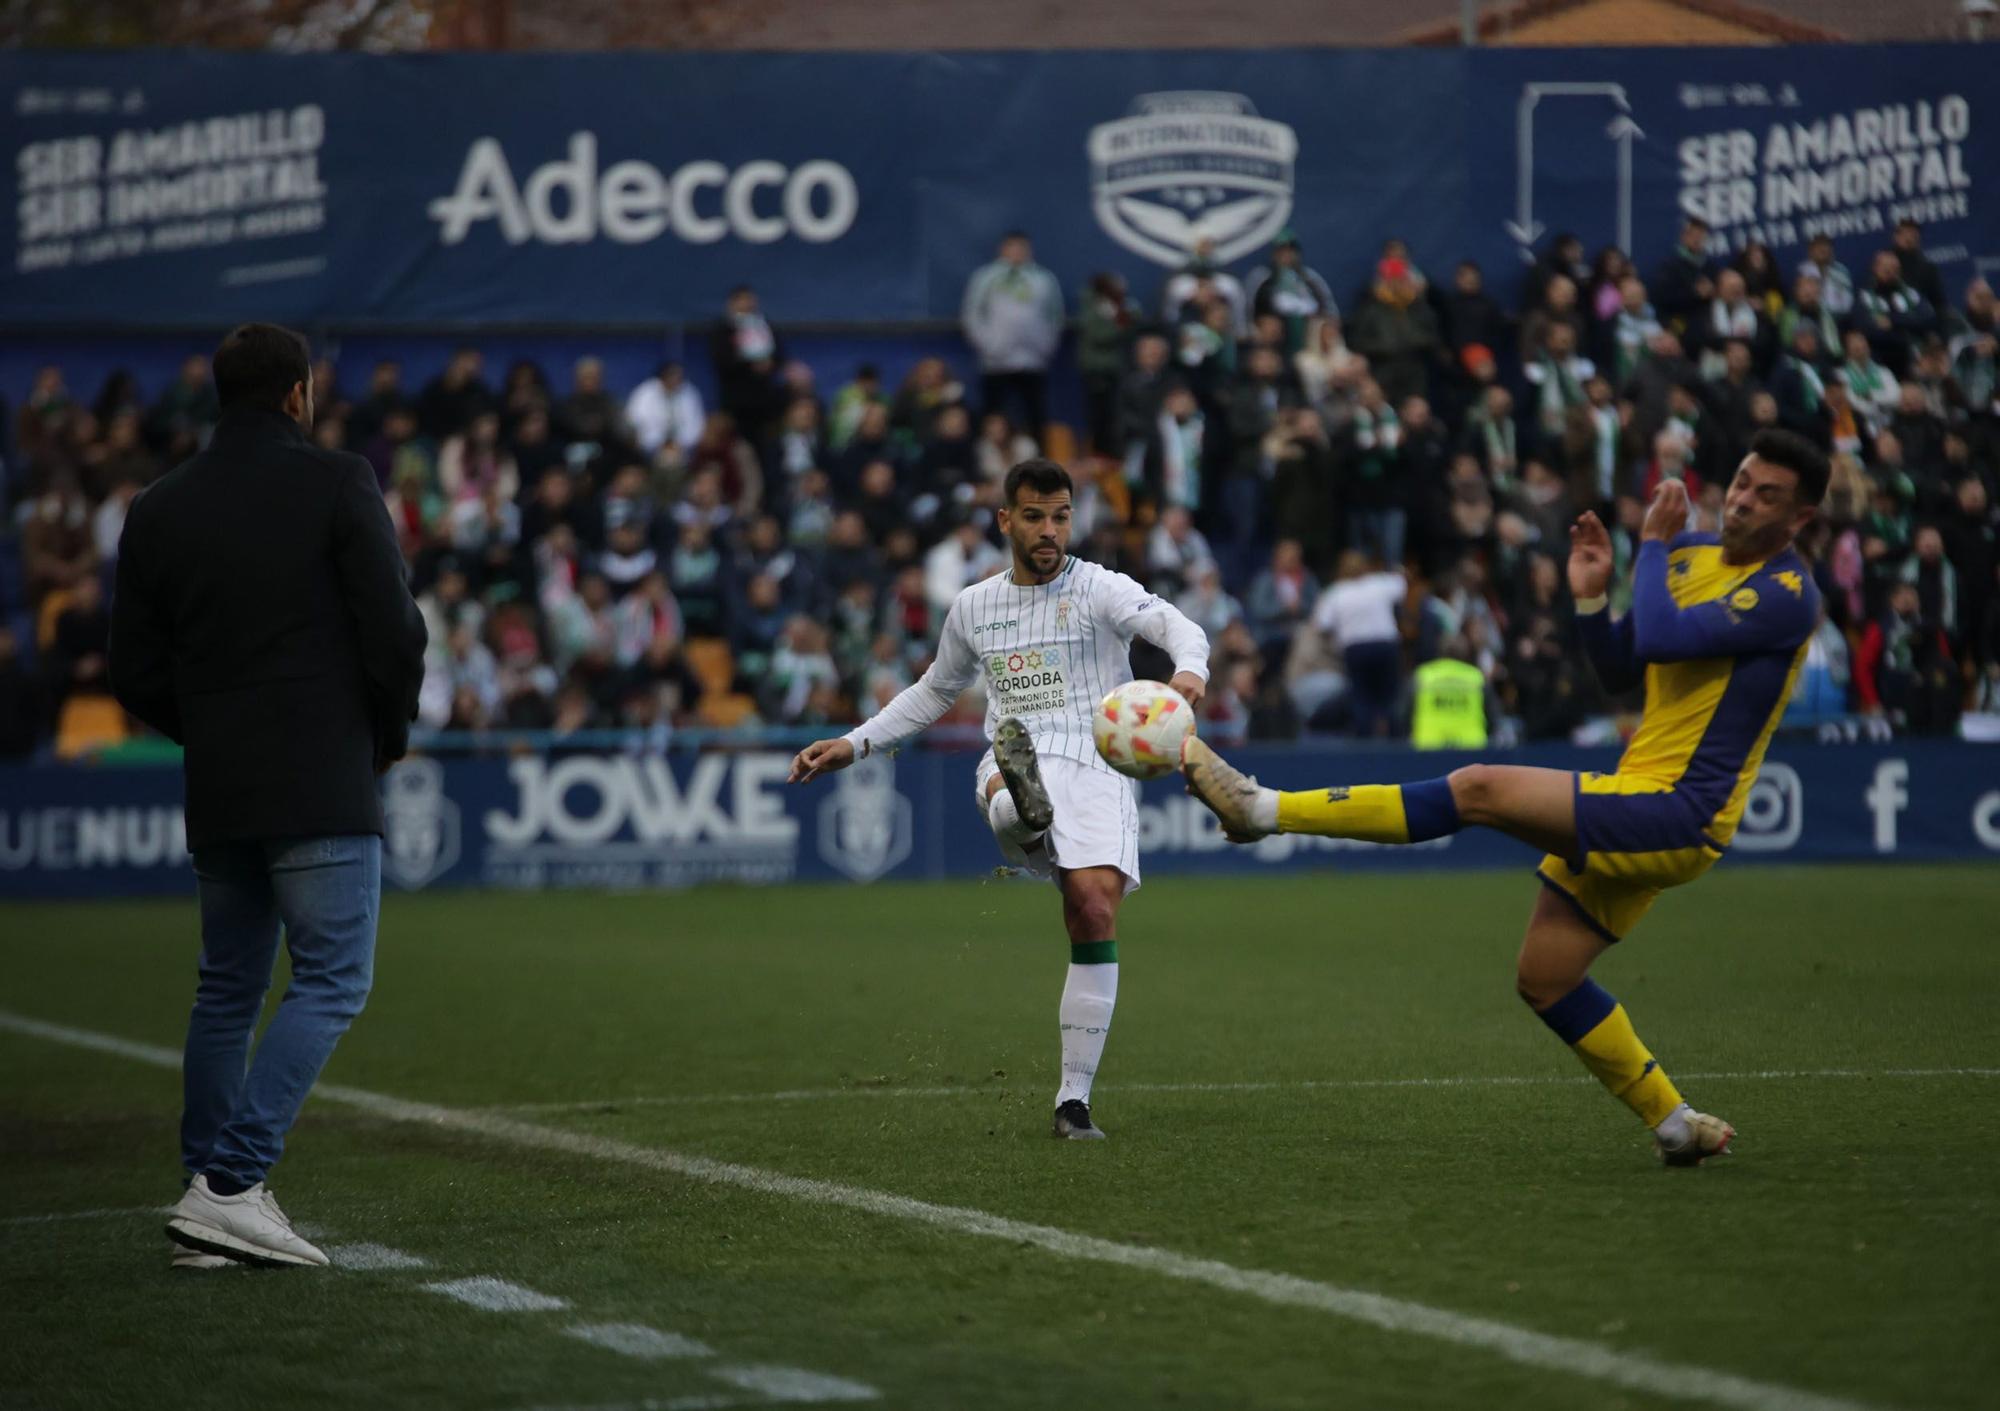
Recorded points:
(1338,489)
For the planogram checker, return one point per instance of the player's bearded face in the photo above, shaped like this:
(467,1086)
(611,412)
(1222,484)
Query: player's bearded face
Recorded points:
(1038,527)
(1762,512)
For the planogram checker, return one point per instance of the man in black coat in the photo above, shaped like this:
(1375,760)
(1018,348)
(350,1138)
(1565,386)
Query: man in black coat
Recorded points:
(262,621)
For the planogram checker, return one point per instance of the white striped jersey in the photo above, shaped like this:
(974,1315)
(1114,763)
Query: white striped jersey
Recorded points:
(1046,652)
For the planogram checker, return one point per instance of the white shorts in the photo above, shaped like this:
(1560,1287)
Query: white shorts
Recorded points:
(1096,824)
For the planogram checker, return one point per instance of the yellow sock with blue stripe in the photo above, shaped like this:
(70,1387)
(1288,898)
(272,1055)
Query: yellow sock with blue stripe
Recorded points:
(1373,813)
(1590,1021)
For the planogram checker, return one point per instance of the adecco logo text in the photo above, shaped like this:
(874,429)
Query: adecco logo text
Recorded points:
(569,202)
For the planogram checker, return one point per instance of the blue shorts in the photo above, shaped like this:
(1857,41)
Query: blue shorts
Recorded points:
(1635,838)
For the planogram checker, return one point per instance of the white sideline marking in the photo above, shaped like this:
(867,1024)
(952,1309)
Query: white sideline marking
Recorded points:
(61,1215)
(368,1258)
(791,1386)
(496,1295)
(1481,1080)
(638,1340)
(1634,1371)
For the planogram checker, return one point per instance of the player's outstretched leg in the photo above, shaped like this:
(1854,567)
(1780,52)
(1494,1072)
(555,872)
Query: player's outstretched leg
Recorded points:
(1553,977)
(1376,813)
(1014,753)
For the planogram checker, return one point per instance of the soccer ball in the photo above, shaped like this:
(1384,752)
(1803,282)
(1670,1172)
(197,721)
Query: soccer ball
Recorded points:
(1139,729)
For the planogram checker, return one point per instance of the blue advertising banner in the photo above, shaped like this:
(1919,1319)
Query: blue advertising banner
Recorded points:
(196,189)
(619,821)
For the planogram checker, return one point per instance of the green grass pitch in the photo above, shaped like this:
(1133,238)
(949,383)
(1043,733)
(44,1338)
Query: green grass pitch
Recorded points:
(1847,1254)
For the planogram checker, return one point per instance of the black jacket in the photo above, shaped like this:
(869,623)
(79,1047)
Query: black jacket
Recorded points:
(263,622)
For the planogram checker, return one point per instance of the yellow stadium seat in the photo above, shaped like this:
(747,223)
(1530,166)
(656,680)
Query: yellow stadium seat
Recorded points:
(89,722)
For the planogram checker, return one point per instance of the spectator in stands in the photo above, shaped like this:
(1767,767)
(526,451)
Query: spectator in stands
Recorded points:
(1182,453)
(1630,333)
(1397,332)
(1357,612)
(57,549)
(1206,350)
(385,395)
(1808,306)
(455,396)
(999,449)
(746,354)
(1891,314)
(475,459)
(1971,533)
(1836,285)
(851,402)
(1874,389)
(1558,305)
(1561,259)
(952,464)
(1207,604)
(1470,316)
(1177,553)
(794,447)
(1201,277)
(963,557)
(1372,472)
(725,457)
(1917,270)
(1491,437)
(665,415)
(1731,316)
(1303,497)
(1685,280)
(1763,285)
(77,663)
(1012,315)
(1602,291)
(927,390)
(1800,388)
(181,419)
(1291,289)
(122,459)
(695,572)
(1904,670)
(1327,370)
(1106,322)
(1557,375)
(1281,598)
(1921,433)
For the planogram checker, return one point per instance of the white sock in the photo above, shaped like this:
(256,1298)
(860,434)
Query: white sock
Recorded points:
(1673,1130)
(1088,996)
(1005,820)
(1264,810)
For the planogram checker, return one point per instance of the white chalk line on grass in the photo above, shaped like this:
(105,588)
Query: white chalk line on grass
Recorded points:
(120,1212)
(1280,1085)
(1634,1371)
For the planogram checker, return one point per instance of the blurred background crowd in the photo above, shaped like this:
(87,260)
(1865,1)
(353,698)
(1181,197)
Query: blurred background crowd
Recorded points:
(1340,486)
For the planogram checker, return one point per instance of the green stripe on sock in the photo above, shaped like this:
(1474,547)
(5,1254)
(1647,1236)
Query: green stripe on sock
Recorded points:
(1093,953)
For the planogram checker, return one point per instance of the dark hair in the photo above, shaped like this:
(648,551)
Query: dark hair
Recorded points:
(258,364)
(1695,223)
(1041,475)
(1796,454)
(1015,234)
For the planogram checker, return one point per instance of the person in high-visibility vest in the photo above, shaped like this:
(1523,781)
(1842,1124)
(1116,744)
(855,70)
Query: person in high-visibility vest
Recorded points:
(1448,703)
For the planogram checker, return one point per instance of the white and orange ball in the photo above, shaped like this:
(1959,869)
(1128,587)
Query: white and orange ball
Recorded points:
(1139,729)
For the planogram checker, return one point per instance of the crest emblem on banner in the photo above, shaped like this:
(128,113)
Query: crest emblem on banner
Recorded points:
(420,824)
(1184,167)
(866,828)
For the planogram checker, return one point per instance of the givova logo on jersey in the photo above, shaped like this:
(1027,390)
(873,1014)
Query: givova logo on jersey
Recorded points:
(1191,166)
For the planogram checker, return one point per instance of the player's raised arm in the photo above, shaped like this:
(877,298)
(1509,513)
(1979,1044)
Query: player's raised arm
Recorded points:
(1135,611)
(1607,641)
(1762,615)
(915,708)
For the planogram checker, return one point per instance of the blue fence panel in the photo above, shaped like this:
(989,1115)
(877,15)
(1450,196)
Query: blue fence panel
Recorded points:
(193,189)
(620,821)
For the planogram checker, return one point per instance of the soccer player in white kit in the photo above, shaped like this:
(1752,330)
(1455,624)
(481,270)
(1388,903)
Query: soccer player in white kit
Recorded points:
(1050,638)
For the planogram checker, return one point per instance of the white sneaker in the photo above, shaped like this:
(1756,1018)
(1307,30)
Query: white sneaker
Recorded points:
(196,1259)
(248,1228)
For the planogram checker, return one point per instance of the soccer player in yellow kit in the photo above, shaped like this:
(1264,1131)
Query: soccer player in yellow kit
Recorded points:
(1717,631)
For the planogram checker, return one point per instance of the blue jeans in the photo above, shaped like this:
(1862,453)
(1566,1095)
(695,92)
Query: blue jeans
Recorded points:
(1378,531)
(328,894)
